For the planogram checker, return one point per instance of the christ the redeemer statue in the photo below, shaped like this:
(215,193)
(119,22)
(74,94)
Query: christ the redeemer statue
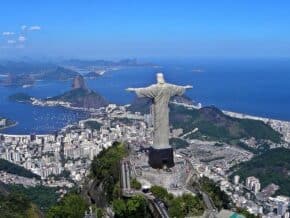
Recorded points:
(161,152)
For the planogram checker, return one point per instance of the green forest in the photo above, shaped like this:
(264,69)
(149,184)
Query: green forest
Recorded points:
(185,205)
(213,124)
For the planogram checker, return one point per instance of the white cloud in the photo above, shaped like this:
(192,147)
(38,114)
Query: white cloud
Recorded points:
(30,28)
(8,33)
(23,27)
(34,28)
(21,38)
(11,41)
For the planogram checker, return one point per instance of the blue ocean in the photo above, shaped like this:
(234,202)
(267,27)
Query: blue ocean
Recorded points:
(258,87)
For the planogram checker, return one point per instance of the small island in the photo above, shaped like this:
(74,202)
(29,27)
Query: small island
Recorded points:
(94,74)
(20,97)
(6,123)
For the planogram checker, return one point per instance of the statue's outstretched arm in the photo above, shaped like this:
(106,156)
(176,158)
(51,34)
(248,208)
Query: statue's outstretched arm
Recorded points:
(187,87)
(131,89)
(143,92)
(178,90)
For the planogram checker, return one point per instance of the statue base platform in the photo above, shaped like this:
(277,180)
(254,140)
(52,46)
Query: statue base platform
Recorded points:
(160,158)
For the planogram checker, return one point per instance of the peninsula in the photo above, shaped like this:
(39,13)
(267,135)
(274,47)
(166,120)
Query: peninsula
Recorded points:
(79,97)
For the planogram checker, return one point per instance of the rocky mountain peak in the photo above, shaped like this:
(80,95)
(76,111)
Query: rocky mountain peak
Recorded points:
(79,83)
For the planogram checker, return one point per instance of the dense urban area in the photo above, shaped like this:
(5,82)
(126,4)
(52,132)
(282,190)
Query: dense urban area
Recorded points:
(215,177)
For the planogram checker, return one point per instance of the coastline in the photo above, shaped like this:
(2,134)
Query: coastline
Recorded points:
(281,126)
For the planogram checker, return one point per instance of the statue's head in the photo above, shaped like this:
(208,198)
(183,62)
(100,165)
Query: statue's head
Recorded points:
(160,78)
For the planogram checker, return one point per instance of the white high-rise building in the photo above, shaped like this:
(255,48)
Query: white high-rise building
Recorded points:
(256,187)
(236,179)
(253,184)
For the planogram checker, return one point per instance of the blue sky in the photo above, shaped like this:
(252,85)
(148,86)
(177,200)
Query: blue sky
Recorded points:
(145,28)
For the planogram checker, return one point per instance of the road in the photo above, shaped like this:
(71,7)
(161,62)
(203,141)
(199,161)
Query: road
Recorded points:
(158,205)
(211,211)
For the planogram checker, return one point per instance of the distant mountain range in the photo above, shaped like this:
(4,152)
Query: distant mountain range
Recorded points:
(33,67)
(21,67)
(59,73)
(14,78)
(20,73)
(17,80)
(105,63)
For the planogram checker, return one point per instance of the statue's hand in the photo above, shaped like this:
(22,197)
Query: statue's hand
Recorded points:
(130,89)
(188,87)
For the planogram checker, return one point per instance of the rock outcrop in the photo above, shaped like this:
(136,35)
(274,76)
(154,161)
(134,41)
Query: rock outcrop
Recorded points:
(79,83)
(81,96)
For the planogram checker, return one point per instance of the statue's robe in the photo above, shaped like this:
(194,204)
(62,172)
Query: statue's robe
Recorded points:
(160,94)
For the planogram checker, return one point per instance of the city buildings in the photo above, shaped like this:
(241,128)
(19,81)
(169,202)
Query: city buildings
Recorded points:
(63,159)
(253,184)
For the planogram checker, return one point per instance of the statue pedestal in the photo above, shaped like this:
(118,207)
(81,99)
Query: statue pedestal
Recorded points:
(160,158)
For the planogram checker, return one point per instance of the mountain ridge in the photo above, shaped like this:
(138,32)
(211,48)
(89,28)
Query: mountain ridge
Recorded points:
(211,123)
(81,96)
